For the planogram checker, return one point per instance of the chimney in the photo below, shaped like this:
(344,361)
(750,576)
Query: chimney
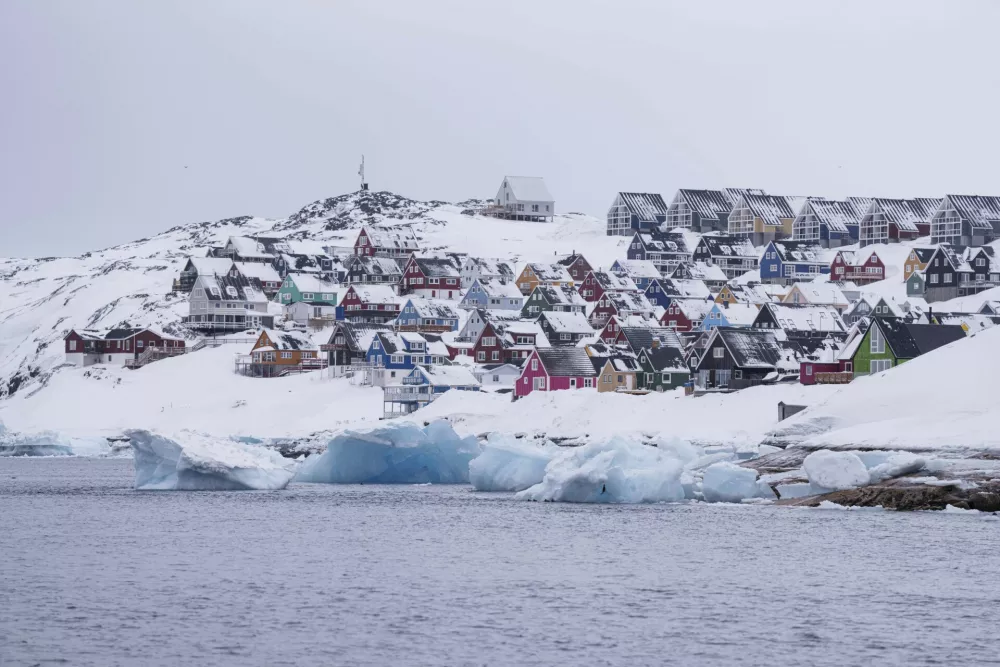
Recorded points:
(930,315)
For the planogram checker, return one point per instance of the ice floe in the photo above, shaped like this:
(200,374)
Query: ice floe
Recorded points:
(835,471)
(510,464)
(726,482)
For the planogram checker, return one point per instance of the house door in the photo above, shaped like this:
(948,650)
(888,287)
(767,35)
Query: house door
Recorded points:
(539,383)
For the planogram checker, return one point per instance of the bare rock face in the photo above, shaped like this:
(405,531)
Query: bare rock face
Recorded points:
(903,496)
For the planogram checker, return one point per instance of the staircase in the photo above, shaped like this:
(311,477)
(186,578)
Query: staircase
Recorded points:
(151,354)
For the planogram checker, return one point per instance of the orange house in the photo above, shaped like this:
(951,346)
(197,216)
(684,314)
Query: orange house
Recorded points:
(284,348)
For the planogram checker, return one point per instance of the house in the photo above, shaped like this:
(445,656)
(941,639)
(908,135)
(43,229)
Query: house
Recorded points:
(699,210)
(494,270)
(890,341)
(562,299)
(633,335)
(619,373)
(817,293)
(395,243)
(664,249)
(686,314)
(784,262)
(277,353)
(966,220)
(311,314)
(364,270)
(507,341)
(493,295)
(369,303)
(642,272)
(895,220)
(431,277)
(621,304)
(270,280)
(498,376)
(535,274)
(565,328)
(308,288)
(423,385)
(662,368)
(635,211)
(752,293)
(801,321)
(305,256)
(576,266)
(991,308)
(859,309)
(524,198)
(349,343)
(201,266)
(760,217)
(827,222)
(916,260)
(739,358)
(858,266)
(556,369)
(661,292)
(392,356)
(598,283)
(946,276)
(120,347)
(713,277)
(823,360)
(733,254)
(427,316)
(478,320)
(230,302)
(737,316)
(245,249)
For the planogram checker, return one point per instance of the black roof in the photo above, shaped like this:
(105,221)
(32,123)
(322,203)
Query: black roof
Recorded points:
(566,361)
(908,340)
(751,348)
(666,358)
(923,254)
(728,246)
(644,205)
(388,344)
(116,334)
(353,332)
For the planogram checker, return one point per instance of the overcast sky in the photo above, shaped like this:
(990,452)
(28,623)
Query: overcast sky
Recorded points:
(119,119)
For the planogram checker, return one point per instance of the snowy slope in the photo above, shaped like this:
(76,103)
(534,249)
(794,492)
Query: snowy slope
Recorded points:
(42,299)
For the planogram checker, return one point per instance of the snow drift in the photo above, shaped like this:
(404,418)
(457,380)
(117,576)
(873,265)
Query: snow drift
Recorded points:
(402,453)
(195,462)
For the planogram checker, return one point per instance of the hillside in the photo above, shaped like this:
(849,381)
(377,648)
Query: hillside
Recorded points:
(42,299)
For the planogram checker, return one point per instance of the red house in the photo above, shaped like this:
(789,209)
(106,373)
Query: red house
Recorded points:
(431,277)
(686,314)
(619,304)
(375,304)
(555,369)
(127,347)
(861,267)
(503,342)
(576,265)
(809,369)
(598,283)
(396,243)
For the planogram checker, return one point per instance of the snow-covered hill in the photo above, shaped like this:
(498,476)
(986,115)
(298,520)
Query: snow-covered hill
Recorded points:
(42,299)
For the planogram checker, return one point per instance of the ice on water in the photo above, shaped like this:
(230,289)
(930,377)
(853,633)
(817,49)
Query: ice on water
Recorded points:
(510,464)
(45,443)
(726,482)
(401,453)
(195,462)
(834,471)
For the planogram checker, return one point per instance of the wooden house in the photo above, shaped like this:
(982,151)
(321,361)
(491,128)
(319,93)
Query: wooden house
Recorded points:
(125,346)
(598,283)
(392,356)
(699,210)
(423,385)
(277,353)
(664,249)
(711,275)
(524,198)
(565,328)
(535,274)
(493,270)
(966,220)
(563,299)
(431,278)
(916,260)
(785,262)
(367,270)
(737,316)
(270,279)
(478,319)
(826,222)
(493,295)
(246,249)
(686,314)
(944,277)
(495,377)
(393,242)
(734,255)
(225,303)
(576,266)
(369,303)
(427,316)
(504,342)
(859,266)
(349,343)
(891,341)
(661,292)
(635,336)
(556,369)
(640,271)
(662,368)
(621,304)
(815,293)
(739,358)
(750,293)
(761,217)
(801,320)
(306,287)
(895,220)
(859,309)
(619,373)
(635,211)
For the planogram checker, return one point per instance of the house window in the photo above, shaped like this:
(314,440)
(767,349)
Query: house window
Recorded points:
(719,352)
(489,341)
(877,341)
(849,366)
(947,278)
(534,364)
(649,378)
(481,356)
(738,374)
(564,336)
(397,358)
(606,379)
(666,378)
(496,378)
(588,383)
(934,279)
(879,365)
(496,355)
(72,346)
(572,383)
(308,296)
(809,369)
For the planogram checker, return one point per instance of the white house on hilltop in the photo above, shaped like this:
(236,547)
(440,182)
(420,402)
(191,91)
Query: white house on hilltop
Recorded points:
(524,198)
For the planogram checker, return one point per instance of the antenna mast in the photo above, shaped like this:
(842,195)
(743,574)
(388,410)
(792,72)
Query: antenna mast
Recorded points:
(361,173)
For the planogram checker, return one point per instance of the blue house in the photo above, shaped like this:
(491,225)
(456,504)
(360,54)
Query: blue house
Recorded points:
(428,316)
(642,272)
(661,291)
(737,315)
(786,262)
(423,385)
(656,294)
(635,211)
(492,295)
(392,355)
(829,223)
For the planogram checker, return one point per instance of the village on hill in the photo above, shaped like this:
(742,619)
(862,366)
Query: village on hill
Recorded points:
(715,291)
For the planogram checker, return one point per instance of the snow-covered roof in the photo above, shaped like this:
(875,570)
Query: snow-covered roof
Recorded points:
(904,213)
(231,288)
(306,282)
(259,270)
(816,292)
(710,204)
(248,247)
(550,273)
(661,241)
(305,247)
(376,266)
(645,205)
(723,245)
(288,340)
(376,293)
(801,252)
(437,267)
(447,376)
(433,308)
(529,188)
(836,215)
(693,309)
(629,302)
(489,267)
(982,212)
(703,271)
(394,238)
(771,209)
(811,318)
(751,348)
(562,295)
(566,361)
(685,288)
(611,282)
(497,289)
(208,266)
(563,322)
(635,268)
(358,336)
(739,314)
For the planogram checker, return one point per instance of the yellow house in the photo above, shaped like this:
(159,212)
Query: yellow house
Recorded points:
(619,373)
(761,217)
(536,274)
(916,261)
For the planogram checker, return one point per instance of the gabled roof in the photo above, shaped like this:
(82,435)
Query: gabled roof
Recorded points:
(566,361)
(550,273)
(433,309)
(644,205)
(628,302)
(771,209)
(375,293)
(489,316)
(982,212)
(232,288)
(209,266)
(755,348)
(806,318)
(816,292)
(395,238)
(800,252)
(529,188)
(693,309)
(635,268)
(738,314)
(709,204)
(723,245)
(611,282)
(684,289)
(121,334)
(660,241)
(562,295)
(571,323)
(375,266)
(491,267)
(259,270)
(497,289)
(358,336)
(623,363)
(641,338)
(666,358)
(699,271)
(288,340)
(836,215)
(904,213)
(306,282)
(248,247)
(446,376)
(437,267)
(908,340)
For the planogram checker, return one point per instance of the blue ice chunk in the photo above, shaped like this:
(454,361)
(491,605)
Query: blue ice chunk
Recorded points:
(400,453)
(44,443)
(510,464)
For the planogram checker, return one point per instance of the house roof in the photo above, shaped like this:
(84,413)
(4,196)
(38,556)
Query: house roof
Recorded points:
(232,288)
(566,361)
(660,241)
(635,268)
(288,340)
(433,309)
(375,293)
(306,282)
(120,334)
(376,266)
(447,376)
(700,271)
(491,316)
(982,212)
(723,245)
(611,282)
(550,273)
(491,267)
(904,213)
(437,267)
(497,289)
(623,363)
(836,215)
(248,247)
(259,270)
(710,204)
(642,337)
(208,266)
(739,314)
(816,292)
(395,238)
(800,252)
(563,322)
(908,340)
(666,358)
(771,209)
(644,205)
(358,336)
(529,188)
(562,295)
(685,288)
(754,348)
(809,318)
(628,302)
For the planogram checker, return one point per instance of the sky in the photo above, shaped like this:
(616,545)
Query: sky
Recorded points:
(121,119)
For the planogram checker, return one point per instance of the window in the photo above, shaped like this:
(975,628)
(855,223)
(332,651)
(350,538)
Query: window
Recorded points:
(481,356)
(849,366)
(286,355)
(489,341)
(934,279)
(738,374)
(564,336)
(588,383)
(606,379)
(397,358)
(877,341)
(879,365)
(719,352)
(572,383)
(649,378)
(666,378)
(722,378)
(308,296)
(496,355)
(809,369)
(947,278)
(139,343)
(496,378)
(534,364)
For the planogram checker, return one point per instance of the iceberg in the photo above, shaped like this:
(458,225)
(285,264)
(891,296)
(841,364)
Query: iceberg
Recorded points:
(44,443)
(726,482)
(510,464)
(883,465)
(402,453)
(196,462)
(616,471)
(835,471)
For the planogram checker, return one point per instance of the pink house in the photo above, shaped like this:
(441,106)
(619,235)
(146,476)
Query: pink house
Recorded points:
(556,368)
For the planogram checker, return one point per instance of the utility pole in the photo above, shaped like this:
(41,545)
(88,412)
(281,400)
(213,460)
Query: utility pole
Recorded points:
(361,173)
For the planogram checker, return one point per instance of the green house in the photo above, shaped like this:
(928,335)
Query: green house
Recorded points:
(915,284)
(662,369)
(891,341)
(552,298)
(299,287)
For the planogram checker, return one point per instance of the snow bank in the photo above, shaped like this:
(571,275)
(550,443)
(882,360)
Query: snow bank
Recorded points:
(835,471)
(45,443)
(726,482)
(886,465)
(615,471)
(401,453)
(196,462)
(510,464)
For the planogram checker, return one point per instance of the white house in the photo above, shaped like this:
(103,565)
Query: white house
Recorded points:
(525,198)
(476,268)
(497,376)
